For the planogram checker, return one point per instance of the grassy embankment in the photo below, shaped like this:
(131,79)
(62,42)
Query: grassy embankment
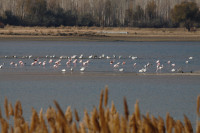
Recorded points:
(98,34)
(101,120)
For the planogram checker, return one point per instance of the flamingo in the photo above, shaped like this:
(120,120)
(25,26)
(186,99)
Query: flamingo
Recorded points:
(74,62)
(33,63)
(12,63)
(173,65)
(123,63)
(90,56)
(134,65)
(143,70)
(44,63)
(133,58)
(81,56)
(50,61)
(63,70)
(121,69)
(55,66)
(190,58)
(80,61)
(160,68)
(173,70)
(111,62)
(107,57)
(82,69)
(116,65)
(148,64)
(74,56)
(21,63)
(30,56)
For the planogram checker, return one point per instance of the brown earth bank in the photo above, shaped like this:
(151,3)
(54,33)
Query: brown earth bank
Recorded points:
(98,34)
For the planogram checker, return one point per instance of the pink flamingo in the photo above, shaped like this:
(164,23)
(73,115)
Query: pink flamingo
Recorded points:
(44,63)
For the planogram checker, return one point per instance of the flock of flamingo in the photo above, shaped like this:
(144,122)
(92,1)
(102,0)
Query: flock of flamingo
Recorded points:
(83,61)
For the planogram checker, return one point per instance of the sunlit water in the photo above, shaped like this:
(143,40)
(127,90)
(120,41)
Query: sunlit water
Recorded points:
(37,86)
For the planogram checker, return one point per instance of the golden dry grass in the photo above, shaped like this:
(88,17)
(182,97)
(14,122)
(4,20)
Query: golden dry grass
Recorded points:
(99,33)
(104,120)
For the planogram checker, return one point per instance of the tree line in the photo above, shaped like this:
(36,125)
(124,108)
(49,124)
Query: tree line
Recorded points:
(113,13)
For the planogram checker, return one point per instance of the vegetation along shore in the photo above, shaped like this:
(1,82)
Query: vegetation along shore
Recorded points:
(66,33)
(131,20)
(102,119)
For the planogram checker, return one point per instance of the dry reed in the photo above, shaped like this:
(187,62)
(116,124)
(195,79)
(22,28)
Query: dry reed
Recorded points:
(126,112)
(106,96)
(6,108)
(76,115)
(198,105)
(104,120)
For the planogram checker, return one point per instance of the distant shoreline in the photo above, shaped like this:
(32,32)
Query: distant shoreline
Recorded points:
(97,34)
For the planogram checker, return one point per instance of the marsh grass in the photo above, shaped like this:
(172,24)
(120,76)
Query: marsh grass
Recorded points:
(104,120)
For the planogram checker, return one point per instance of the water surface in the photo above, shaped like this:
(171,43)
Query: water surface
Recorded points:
(37,86)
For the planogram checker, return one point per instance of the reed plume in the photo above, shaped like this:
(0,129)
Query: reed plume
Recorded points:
(87,120)
(101,100)
(42,122)
(63,119)
(169,123)
(116,123)
(18,110)
(155,121)
(113,109)
(76,115)
(126,111)
(74,128)
(198,105)
(104,120)
(148,126)
(161,125)
(198,127)
(137,111)
(106,97)
(123,124)
(18,130)
(11,111)
(68,115)
(0,114)
(132,124)
(4,126)
(34,121)
(82,128)
(178,127)
(95,121)
(188,126)
(6,108)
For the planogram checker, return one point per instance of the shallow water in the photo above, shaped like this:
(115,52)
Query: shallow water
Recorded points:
(37,86)
(118,52)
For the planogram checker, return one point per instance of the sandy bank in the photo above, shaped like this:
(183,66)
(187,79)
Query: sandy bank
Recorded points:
(5,74)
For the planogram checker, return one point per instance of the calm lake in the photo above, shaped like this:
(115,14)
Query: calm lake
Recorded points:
(37,85)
